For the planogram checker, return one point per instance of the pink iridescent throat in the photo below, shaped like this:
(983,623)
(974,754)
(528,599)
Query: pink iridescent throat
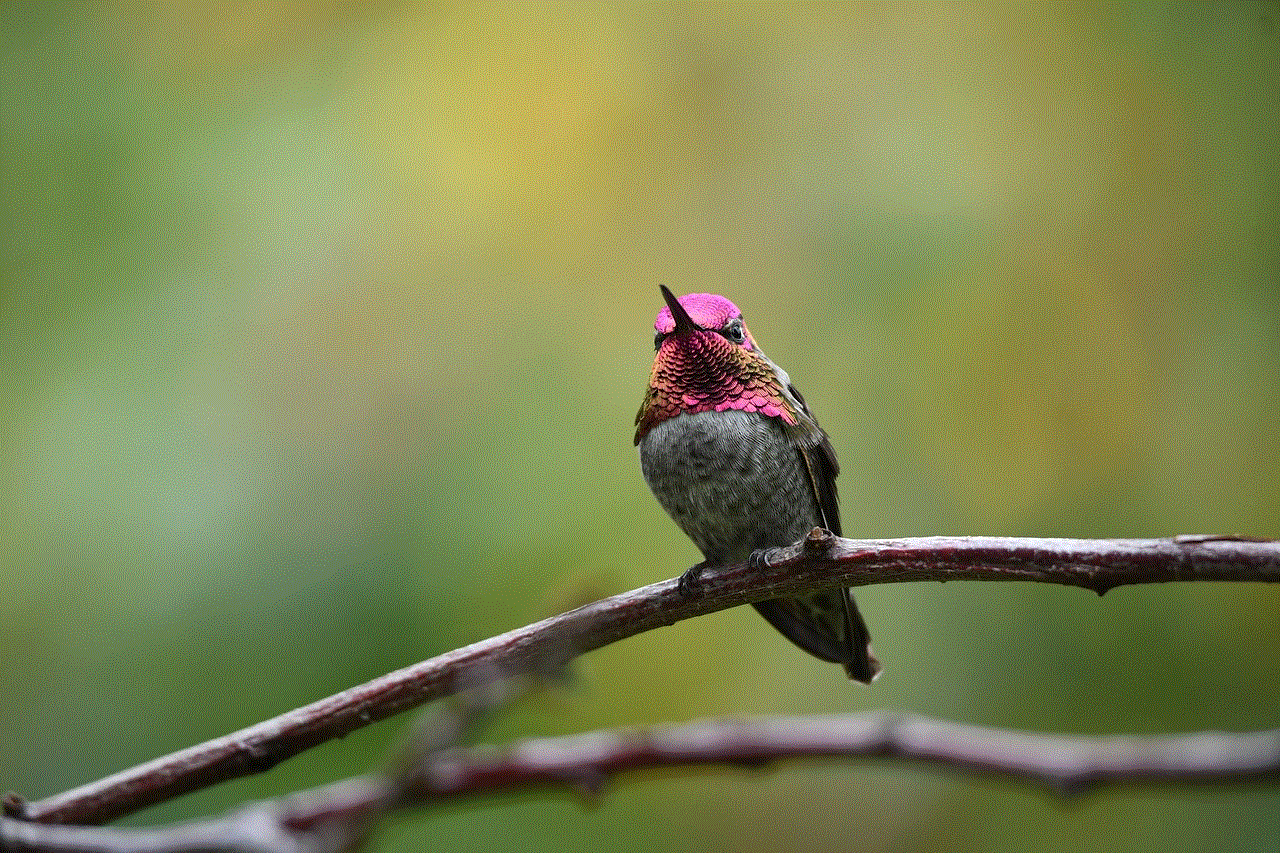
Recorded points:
(703,372)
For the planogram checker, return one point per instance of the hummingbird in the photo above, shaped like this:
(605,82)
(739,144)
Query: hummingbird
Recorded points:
(731,451)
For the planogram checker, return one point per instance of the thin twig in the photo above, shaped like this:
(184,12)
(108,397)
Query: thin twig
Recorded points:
(820,561)
(316,821)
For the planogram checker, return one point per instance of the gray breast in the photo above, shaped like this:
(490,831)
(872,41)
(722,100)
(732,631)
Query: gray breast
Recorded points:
(731,480)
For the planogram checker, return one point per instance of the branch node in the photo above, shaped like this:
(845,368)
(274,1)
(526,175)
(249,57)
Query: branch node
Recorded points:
(14,805)
(1074,787)
(818,542)
(258,756)
(589,782)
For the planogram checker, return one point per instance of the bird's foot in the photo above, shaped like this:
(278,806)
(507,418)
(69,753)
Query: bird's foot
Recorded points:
(759,558)
(687,585)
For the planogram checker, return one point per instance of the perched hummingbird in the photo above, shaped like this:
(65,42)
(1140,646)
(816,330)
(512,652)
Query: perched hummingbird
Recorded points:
(732,453)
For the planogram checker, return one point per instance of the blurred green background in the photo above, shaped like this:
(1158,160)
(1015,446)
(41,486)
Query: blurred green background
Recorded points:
(323,328)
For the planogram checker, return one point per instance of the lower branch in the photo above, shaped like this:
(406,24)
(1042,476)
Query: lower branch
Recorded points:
(328,819)
(821,561)
(1066,764)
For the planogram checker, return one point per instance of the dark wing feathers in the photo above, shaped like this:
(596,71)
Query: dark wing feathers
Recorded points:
(806,622)
(819,460)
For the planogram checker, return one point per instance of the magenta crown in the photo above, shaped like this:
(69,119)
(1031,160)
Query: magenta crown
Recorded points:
(708,310)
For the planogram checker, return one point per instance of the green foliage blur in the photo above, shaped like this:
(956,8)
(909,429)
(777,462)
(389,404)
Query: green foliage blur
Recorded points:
(322,329)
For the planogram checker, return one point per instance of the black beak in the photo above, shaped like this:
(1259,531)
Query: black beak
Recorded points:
(684,323)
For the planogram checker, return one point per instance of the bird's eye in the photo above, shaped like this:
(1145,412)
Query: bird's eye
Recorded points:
(735,331)
(657,340)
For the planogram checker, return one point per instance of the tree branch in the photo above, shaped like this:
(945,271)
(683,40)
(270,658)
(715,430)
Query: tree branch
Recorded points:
(327,819)
(1065,764)
(820,561)
(257,828)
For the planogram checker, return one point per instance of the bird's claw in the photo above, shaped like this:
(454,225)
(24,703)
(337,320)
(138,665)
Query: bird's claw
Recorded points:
(687,584)
(759,559)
